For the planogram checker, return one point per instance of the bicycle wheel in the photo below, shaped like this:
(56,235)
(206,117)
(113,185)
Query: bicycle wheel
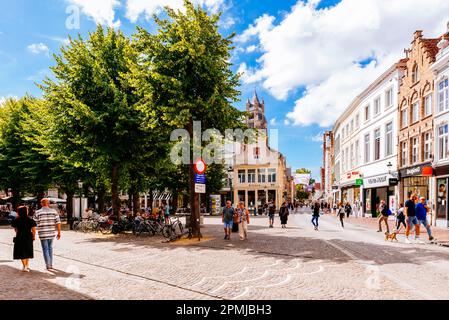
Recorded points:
(167,231)
(105,228)
(76,226)
(178,229)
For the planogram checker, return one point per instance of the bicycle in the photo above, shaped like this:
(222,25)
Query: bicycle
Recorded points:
(174,230)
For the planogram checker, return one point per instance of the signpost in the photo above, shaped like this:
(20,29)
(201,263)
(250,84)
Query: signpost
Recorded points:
(200,188)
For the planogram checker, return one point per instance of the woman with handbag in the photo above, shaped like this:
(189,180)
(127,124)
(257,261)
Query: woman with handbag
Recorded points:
(25,229)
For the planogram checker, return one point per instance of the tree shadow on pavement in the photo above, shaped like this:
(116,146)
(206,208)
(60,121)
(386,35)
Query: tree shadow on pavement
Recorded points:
(35,285)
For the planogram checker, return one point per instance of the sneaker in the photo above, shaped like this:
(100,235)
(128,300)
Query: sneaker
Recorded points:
(431,238)
(225,238)
(418,240)
(379,230)
(407,240)
(27,269)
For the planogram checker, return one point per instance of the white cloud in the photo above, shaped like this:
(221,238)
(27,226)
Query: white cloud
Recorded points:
(273,122)
(317,138)
(286,122)
(227,22)
(249,75)
(320,50)
(251,48)
(101,11)
(37,48)
(136,8)
(4,98)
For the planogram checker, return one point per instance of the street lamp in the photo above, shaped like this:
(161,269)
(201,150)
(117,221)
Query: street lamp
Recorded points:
(80,186)
(389,166)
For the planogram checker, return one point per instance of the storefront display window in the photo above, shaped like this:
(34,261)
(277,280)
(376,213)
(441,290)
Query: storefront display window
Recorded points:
(441,198)
(416,185)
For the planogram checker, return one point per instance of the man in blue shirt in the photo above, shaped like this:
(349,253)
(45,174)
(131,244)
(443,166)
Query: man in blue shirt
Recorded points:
(421,214)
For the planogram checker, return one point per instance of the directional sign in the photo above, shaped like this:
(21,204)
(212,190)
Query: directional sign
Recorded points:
(199,166)
(200,188)
(200,178)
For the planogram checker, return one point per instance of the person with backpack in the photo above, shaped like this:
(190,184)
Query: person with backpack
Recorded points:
(227,218)
(283,215)
(341,213)
(315,215)
(400,218)
(271,211)
(348,209)
(383,216)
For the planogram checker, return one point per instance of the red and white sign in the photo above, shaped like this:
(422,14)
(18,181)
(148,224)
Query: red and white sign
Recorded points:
(200,166)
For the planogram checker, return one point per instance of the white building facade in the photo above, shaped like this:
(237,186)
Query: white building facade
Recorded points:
(367,151)
(441,133)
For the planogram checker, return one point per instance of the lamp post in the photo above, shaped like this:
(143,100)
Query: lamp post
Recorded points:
(80,186)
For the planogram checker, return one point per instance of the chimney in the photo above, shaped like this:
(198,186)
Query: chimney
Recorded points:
(418,34)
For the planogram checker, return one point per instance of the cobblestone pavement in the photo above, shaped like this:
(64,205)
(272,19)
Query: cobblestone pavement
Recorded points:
(292,263)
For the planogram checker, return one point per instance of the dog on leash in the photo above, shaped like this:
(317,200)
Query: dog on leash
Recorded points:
(391,236)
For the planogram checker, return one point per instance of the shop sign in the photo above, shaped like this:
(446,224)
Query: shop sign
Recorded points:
(359,182)
(423,169)
(379,181)
(393,181)
(334,187)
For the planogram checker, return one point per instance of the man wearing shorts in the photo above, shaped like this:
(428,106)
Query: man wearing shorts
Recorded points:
(271,211)
(227,217)
(410,218)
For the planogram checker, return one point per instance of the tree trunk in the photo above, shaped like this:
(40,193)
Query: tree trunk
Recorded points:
(69,207)
(151,200)
(114,191)
(15,199)
(136,203)
(100,198)
(175,200)
(40,196)
(194,208)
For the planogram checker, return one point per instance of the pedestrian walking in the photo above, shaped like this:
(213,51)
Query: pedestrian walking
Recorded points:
(271,211)
(411,219)
(383,210)
(341,213)
(167,214)
(235,221)
(315,215)
(48,222)
(25,229)
(400,218)
(283,215)
(243,221)
(421,213)
(227,218)
(348,209)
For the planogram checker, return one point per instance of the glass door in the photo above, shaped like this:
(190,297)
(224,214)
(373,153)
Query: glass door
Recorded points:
(441,198)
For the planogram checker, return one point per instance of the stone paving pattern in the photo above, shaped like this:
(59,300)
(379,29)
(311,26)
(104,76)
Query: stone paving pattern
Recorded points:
(292,263)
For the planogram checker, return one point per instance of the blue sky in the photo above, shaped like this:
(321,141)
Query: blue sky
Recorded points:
(306,59)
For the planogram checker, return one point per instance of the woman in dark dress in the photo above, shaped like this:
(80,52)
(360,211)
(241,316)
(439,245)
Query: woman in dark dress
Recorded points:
(25,228)
(283,215)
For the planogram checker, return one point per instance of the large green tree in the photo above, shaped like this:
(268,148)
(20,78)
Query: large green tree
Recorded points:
(96,123)
(184,74)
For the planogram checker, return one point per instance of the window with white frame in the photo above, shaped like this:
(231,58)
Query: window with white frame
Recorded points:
(404,118)
(377,144)
(343,163)
(443,95)
(251,176)
(352,155)
(388,98)
(367,147)
(442,142)
(347,130)
(428,105)
(367,115)
(347,159)
(343,133)
(271,175)
(262,173)
(415,73)
(357,121)
(241,176)
(415,112)
(357,153)
(404,154)
(352,125)
(377,106)
(427,146)
(389,139)
(415,150)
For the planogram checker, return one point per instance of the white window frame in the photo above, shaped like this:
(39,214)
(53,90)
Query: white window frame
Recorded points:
(389,139)
(443,95)
(415,112)
(404,122)
(415,150)
(377,144)
(377,108)
(428,105)
(367,147)
(404,153)
(427,145)
(443,142)
(388,98)
(366,113)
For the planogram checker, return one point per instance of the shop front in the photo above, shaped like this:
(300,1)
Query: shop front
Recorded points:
(416,180)
(442,181)
(378,188)
(350,187)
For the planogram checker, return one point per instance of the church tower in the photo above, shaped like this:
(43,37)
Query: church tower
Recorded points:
(256,110)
